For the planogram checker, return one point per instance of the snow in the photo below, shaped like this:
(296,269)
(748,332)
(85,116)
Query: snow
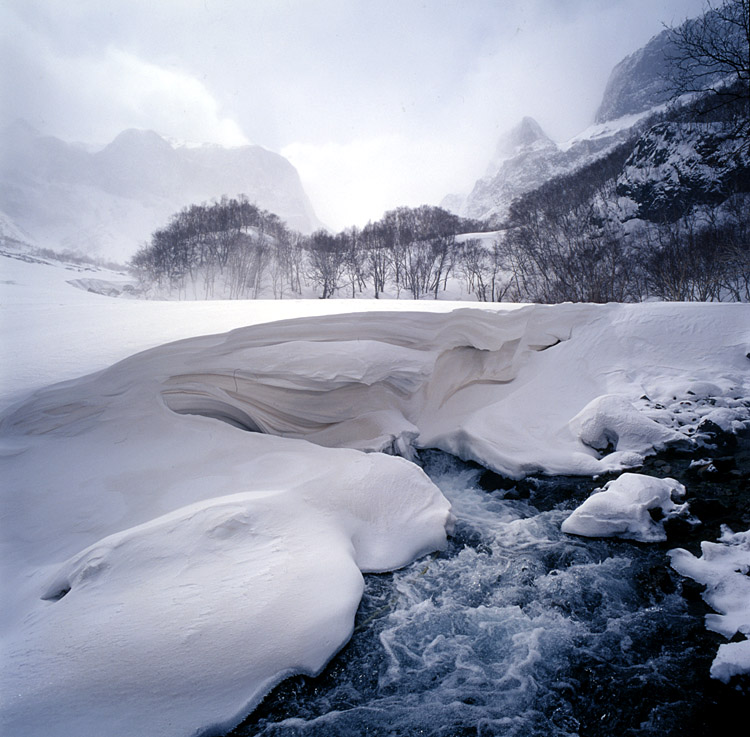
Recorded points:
(610,128)
(52,332)
(164,564)
(186,619)
(724,569)
(623,509)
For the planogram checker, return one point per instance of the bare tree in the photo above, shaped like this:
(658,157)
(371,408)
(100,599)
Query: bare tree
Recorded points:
(712,53)
(327,260)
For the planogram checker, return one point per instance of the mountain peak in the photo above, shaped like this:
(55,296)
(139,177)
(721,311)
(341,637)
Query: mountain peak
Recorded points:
(524,138)
(139,139)
(527,132)
(638,82)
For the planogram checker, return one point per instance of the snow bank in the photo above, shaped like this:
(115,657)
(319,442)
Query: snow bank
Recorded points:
(164,562)
(172,569)
(724,569)
(627,507)
(53,332)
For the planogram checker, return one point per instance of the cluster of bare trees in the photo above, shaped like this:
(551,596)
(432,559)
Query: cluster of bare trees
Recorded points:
(704,256)
(232,249)
(229,248)
(408,249)
(561,243)
(579,256)
(711,54)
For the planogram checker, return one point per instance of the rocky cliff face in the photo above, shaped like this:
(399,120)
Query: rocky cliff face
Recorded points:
(639,82)
(109,202)
(675,166)
(525,158)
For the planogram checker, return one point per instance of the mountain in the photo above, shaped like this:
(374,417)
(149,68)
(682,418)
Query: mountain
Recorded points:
(639,82)
(675,166)
(525,158)
(696,157)
(646,79)
(108,202)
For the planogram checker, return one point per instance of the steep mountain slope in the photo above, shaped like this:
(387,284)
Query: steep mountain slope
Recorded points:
(525,158)
(675,166)
(694,154)
(639,82)
(108,202)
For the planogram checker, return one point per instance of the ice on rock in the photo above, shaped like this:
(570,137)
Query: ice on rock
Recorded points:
(732,659)
(624,507)
(724,569)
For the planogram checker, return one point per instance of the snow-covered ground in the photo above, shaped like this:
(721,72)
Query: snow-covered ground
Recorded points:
(163,566)
(52,332)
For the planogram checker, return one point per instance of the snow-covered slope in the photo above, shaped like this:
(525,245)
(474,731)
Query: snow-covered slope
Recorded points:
(163,564)
(109,202)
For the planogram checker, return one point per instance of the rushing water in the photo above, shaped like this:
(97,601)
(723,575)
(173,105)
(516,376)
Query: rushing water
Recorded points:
(517,630)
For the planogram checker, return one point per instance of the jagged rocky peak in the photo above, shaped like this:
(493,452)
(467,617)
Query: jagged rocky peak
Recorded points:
(525,137)
(643,80)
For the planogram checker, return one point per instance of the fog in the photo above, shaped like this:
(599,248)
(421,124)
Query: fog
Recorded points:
(377,104)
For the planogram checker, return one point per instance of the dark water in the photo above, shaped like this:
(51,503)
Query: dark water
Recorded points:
(518,630)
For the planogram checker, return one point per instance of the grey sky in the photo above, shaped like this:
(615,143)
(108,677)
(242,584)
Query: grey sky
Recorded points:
(377,102)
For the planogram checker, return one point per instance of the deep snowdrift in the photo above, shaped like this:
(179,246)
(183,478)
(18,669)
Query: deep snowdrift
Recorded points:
(164,566)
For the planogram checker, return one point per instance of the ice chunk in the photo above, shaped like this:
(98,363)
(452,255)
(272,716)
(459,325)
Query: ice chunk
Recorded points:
(723,568)
(732,659)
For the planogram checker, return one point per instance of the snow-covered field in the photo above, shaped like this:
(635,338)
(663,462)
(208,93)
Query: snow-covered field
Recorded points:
(165,563)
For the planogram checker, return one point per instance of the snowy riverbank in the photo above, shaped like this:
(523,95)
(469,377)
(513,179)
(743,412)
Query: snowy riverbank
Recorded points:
(164,567)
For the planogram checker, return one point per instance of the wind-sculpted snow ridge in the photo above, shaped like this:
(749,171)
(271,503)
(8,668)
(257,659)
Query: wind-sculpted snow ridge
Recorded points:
(164,567)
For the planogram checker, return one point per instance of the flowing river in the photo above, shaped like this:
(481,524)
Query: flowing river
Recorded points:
(517,629)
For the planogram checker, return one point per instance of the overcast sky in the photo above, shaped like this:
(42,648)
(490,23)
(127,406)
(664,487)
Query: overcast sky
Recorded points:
(378,103)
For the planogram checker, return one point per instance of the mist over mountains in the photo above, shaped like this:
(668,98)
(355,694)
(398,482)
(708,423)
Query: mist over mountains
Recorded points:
(525,157)
(108,202)
(643,158)
(637,93)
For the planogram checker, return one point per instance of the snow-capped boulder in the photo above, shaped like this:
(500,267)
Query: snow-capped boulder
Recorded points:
(611,423)
(632,506)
